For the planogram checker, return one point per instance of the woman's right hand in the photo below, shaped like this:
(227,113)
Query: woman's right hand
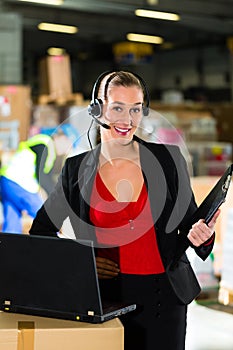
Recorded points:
(106,268)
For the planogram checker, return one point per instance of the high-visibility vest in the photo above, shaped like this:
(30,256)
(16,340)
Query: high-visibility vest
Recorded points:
(22,165)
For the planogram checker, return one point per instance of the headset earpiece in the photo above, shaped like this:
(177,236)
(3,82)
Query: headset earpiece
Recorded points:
(145,111)
(95,108)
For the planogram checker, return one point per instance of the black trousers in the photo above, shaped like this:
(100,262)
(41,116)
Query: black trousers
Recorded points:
(159,322)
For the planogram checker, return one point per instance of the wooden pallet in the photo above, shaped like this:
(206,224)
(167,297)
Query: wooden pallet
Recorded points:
(75,98)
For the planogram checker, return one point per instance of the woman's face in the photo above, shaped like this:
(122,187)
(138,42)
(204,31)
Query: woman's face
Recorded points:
(122,112)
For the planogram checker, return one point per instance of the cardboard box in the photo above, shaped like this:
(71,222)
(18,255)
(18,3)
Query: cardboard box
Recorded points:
(201,186)
(17,107)
(223,116)
(225,296)
(55,76)
(22,332)
(226,284)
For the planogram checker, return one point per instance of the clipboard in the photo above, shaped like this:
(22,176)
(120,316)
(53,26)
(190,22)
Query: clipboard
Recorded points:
(206,210)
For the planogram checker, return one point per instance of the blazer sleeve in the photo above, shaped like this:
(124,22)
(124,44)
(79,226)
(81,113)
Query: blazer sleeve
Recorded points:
(205,249)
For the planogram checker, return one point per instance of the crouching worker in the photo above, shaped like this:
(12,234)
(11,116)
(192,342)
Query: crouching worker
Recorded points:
(29,170)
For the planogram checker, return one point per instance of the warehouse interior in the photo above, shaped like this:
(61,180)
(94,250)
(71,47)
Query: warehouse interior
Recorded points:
(46,79)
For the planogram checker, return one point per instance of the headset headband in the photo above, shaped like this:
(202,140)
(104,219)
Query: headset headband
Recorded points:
(114,74)
(96,86)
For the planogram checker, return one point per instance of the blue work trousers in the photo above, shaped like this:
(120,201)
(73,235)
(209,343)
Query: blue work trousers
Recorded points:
(15,200)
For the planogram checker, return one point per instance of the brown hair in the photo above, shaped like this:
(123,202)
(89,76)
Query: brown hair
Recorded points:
(121,78)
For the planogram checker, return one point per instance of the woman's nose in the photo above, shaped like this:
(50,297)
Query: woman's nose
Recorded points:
(127,116)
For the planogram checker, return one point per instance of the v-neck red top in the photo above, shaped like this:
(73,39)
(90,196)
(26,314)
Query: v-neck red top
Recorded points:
(125,231)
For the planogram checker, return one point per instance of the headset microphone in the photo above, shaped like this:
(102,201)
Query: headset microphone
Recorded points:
(104,125)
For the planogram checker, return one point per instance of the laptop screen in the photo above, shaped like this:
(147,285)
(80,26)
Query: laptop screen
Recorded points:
(48,273)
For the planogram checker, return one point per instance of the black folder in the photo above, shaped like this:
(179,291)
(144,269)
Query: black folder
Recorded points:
(207,209)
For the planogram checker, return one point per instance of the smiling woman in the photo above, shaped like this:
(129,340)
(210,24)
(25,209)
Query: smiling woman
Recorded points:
(122,195)
(122,112)
(122,107)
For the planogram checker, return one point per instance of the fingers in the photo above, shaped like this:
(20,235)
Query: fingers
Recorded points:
(214,219)
(106,268)
(199,233)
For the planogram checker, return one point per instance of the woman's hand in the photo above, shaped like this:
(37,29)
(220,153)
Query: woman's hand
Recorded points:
(200,232)
(106,268)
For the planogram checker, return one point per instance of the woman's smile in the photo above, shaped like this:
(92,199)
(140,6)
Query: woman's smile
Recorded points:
(123,131)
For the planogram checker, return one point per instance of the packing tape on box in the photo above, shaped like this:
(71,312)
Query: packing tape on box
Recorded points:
(26,332)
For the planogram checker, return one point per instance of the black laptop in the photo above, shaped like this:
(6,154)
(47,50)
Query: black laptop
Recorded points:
(52,277)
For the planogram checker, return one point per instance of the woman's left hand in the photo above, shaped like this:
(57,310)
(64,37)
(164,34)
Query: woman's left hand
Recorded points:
(200,232)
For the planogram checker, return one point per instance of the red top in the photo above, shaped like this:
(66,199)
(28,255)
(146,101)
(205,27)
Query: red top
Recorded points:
(125,231)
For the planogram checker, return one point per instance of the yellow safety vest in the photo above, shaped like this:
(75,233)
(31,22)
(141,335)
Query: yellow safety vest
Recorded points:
(22,165)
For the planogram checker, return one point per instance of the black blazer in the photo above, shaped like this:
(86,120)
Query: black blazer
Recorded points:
(170,194)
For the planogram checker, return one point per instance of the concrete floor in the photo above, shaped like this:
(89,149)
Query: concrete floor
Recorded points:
(208,329)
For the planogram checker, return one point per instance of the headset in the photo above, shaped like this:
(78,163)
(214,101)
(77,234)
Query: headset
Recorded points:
(95,107)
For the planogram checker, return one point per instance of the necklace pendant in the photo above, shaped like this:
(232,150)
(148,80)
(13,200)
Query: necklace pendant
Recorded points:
(131,224)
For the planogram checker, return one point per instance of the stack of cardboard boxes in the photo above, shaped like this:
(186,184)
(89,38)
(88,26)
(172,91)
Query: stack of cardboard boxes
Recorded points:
(21,332)
(55,77)
(55,81)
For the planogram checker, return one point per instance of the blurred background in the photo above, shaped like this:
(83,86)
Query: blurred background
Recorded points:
(52,51)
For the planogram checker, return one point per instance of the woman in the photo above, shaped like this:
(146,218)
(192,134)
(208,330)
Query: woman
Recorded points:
(131,198)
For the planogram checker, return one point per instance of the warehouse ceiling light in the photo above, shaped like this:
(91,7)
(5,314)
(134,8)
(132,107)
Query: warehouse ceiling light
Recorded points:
(144,38)
(45,2)
(157,14)
(52,27)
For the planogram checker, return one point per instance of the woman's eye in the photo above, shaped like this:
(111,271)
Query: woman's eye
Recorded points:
(117,109)
(136,110)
